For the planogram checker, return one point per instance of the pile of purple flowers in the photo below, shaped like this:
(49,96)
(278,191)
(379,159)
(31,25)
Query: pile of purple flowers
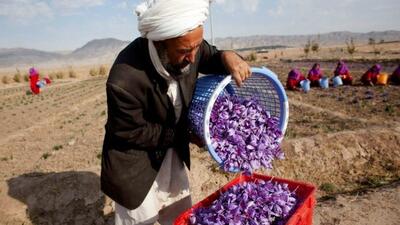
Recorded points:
(260,202)
(244,135)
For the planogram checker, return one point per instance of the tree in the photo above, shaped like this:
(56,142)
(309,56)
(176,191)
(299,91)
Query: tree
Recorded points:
(371,41)
(307,47)
(102,70)
(351,47)
(71,72)
(93,72)
(17,76)
(375,49)
(315,46)
(252,57)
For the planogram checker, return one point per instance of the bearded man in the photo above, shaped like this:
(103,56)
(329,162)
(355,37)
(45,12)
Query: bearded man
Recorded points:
(149,89)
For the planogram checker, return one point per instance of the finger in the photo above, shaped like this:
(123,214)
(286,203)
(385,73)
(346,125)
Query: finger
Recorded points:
(243,75)
(249,71)
(237,78)
(246,71)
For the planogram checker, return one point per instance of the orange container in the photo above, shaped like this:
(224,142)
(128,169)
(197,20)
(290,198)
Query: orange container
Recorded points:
(382,79)
(302,215)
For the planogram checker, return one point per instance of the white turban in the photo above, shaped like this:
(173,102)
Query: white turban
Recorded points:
(165,19)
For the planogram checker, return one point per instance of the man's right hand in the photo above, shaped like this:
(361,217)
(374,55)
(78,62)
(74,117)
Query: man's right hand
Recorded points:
(236,66)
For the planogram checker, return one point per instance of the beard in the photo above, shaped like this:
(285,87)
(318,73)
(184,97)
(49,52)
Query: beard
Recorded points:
(176,71)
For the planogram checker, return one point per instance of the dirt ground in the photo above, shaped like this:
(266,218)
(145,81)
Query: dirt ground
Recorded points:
(345,144)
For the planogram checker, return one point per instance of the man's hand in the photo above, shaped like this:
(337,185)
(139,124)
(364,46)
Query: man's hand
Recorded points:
(236,66)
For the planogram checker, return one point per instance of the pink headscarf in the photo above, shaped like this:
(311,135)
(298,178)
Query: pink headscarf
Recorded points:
(33,72)
(294,74)
(376,69)
(315,70)
(341,68)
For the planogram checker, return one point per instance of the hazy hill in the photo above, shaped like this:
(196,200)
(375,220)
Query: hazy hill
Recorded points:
(96,51)
(101,51)
(15,56)
(99,48)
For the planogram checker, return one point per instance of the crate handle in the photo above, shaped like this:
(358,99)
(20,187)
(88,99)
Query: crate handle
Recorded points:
(303,213)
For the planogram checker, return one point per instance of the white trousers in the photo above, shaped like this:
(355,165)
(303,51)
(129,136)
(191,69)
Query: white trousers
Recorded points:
(168,196)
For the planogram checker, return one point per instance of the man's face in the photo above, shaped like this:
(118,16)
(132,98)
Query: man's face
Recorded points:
(177,54)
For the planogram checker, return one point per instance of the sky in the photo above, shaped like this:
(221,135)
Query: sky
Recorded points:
(62,25)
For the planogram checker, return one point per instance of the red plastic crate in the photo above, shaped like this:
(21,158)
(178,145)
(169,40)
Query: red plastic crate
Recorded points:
(305,196)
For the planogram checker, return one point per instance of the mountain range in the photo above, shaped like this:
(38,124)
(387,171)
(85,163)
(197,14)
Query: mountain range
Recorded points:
(104,51)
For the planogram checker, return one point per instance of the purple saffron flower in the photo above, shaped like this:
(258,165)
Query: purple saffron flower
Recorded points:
(244,134)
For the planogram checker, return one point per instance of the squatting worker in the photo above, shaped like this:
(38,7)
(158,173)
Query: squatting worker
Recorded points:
(149,89)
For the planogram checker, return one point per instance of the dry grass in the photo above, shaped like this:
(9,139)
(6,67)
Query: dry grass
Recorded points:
(72,73)
(102,70)
(5,79)
(59,73)
(93,72)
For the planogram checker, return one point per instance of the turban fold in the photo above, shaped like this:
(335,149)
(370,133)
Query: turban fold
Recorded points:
(165,19)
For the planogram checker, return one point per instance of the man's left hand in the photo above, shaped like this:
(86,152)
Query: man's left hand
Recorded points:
(236,66)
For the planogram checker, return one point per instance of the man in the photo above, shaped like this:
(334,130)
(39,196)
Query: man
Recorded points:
(149,90)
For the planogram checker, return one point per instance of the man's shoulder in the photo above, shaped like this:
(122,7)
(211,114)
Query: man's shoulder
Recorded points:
(127,77)
(135,54)
(131,63)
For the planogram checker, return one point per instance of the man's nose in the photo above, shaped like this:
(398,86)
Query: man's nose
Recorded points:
(191,56)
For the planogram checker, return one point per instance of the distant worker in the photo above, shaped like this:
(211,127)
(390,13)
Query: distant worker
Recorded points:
(314,75)
(371,76)
(35,83)
(293,80)
(395,77)
(343,71)
(34,79)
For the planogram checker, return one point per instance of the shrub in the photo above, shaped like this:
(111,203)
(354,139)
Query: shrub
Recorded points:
(45,155)
(371,41)
(26,77)
(307,47)
(351,47)
(377,51)
(17,77)
(57,147)
(72,73)
(327,187)
(102,70)
(252,57)
(5,79)
(60,75)
(315,46)
(93,72)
